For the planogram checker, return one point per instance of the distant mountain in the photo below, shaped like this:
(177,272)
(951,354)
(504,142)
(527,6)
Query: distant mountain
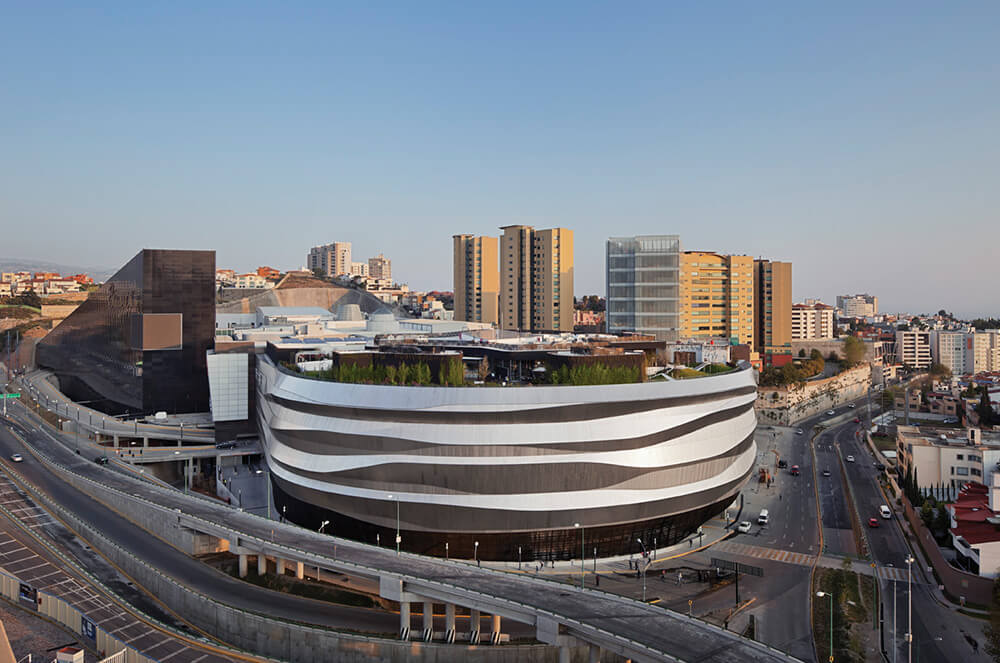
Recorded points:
(27,265)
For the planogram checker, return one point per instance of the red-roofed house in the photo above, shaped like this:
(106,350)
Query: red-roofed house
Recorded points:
(975,530)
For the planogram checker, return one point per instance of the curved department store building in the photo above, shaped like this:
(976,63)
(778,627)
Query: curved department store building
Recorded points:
(518,469)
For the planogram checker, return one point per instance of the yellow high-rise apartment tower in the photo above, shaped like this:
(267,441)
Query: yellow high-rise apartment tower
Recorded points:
(476,277)
(536,279)
(716,297)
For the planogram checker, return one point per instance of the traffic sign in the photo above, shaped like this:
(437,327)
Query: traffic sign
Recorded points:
(10,395)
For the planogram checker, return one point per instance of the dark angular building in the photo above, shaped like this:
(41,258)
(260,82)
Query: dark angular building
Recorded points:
(138,344)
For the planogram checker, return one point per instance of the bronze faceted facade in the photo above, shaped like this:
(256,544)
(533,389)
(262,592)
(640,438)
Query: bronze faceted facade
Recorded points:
(137,345)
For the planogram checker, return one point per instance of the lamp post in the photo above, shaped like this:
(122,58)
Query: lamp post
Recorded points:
(644,555)
(909,608)
(829,596)
(475,552)
(284,510)
(398,539)
(322,525)
(583,555)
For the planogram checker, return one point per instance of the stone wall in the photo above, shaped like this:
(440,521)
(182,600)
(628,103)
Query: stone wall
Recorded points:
(786,405)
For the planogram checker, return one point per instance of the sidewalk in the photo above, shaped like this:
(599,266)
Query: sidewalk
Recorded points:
(712,532)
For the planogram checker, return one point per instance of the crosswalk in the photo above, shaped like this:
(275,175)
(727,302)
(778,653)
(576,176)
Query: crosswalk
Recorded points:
(786,556)
(802,559)
(891,573)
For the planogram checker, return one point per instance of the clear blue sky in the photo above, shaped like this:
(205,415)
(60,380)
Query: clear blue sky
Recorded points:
(858,140)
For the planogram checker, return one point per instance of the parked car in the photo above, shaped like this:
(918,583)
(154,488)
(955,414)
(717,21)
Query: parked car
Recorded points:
(744,527)
(794,471)
(17,458)
(830,413)
(798,432)
(782,463)
(852,406)
(101,460)
(850,459)
(873,522)
(826,473)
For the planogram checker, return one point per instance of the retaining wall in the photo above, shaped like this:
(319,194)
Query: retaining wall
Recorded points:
(786,405)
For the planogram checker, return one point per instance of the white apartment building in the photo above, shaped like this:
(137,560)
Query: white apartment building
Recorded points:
(857,306)
(948,349)
(359,269)
(251,281)
(966,353)
(939,458)
(812,321)
(913,348)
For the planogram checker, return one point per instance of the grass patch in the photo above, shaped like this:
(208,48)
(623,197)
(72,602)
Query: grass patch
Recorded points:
(686,373)
(884,442)
(309,590)
(852,601)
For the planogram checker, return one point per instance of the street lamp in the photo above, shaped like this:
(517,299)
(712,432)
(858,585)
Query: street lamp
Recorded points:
(909,600)
(583,555)
(398,539)
(830,596)
(476,552)
(322,525)
(643,569)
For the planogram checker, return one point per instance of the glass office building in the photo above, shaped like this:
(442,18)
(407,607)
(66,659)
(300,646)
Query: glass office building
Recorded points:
(644,285)
(138,344)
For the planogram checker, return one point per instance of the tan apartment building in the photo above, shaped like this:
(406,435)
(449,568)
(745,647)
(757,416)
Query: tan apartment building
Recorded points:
(716,297)
(536,279)
(332,259)
(380,268)
(476,278)
(773,311)
(812,322)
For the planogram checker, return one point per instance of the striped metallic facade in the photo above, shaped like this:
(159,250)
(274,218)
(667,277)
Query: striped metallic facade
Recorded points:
(515,469)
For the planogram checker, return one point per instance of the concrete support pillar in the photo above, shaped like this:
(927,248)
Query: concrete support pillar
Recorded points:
(116,440)
(428,621)
(243,565)
(404,620)
(564,656)
(449,623)
(594,654)
(261,564)
(495,630)
(473,626)
(300,570)
(145,441)
(280,564)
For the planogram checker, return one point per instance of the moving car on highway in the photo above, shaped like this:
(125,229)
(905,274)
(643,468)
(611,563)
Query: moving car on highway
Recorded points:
(17,458)
(873,522)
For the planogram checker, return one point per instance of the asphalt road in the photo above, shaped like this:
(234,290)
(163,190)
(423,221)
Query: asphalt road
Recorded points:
(938,631)
(650,625)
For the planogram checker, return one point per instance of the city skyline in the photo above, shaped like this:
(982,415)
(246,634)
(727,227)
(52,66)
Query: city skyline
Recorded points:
(841,141)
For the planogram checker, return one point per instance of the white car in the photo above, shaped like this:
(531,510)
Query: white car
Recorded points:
(798,432)
(830,413)
(850,459)
(744,527)
(17,458)
(852,406)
